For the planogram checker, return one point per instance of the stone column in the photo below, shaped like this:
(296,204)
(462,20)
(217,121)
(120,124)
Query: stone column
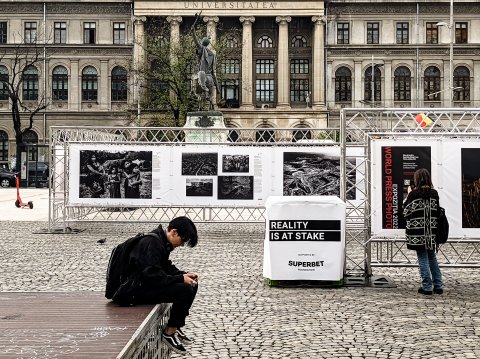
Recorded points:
(211,22)
(475,94)
(387,95)
(247,60)
(358,84)
(74,89)
(318,60)
(283,71)
(175,22)
(138,52)
(103,95)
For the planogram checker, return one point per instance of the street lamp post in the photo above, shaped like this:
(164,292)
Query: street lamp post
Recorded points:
(452,39)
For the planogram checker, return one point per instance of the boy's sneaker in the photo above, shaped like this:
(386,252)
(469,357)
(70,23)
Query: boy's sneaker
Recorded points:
(184,337)
(173,343)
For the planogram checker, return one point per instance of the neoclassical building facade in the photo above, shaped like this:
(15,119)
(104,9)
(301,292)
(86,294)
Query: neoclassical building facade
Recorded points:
(293,64)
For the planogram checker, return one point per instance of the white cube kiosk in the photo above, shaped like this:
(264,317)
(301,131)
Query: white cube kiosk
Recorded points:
(304,238)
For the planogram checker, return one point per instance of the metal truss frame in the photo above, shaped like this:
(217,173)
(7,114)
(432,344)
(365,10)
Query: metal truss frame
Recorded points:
(358,127)
(61,214)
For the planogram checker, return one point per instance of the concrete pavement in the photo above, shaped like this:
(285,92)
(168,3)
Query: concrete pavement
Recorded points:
(39,197)
(236,315)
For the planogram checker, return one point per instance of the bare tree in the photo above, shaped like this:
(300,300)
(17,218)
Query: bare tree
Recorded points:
(23,59)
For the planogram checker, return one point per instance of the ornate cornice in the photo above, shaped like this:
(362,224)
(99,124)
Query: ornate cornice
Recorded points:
(391,52)
(88,8)
(347,9)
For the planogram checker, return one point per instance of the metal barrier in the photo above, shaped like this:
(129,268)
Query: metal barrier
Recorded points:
(146,342)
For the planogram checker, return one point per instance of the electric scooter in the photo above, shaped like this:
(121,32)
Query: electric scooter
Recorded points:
(19,203)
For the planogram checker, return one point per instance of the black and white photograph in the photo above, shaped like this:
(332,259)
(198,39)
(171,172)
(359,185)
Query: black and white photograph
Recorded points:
(235,187)
(315,174)
(105,174)
(199,187)
(199,164)
(470,188)
(235,163)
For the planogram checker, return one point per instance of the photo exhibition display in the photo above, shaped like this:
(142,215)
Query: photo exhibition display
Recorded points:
(198,175)
(453,164)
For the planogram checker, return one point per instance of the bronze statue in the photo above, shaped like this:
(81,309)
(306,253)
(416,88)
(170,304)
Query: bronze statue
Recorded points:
(205,82)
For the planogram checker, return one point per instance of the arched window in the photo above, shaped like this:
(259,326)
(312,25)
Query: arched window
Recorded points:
(30,83)
(60,83)
(89,84)
(264,135)
(3,83)
(461,78)
(431,84)
(3,146)
(299,41)
(231,42)
(119,84)
(264,41)
(343,85)
(377,83)
(402,84)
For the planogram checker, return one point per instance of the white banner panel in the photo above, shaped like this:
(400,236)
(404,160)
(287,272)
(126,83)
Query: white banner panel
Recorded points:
(203,175)
(304,238)
(453,164)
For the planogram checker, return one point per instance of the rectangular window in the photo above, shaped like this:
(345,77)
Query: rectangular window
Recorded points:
(264,66)
(60,33)
(431,34)
(231,66)
(373,32)
(30,35)
(3,32)
(89,33)
(231,93)
(299,66)
(461,32)
(343,33)
(265,90)
(402,33)
(299,89)
(119,33)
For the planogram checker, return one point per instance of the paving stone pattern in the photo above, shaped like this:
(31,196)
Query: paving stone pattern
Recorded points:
(237,316)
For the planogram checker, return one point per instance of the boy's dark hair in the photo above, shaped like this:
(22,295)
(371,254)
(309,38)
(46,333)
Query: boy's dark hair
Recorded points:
(186,230)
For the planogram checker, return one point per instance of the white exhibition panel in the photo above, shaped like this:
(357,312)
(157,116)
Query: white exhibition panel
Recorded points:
(448,167)
(304,238)
(211,175)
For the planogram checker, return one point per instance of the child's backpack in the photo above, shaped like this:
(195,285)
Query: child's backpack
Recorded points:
(118,266)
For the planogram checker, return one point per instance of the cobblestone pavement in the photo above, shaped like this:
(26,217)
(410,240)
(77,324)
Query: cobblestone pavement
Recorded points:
(237,316)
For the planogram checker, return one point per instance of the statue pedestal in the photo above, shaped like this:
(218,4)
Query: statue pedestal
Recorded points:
(205,126)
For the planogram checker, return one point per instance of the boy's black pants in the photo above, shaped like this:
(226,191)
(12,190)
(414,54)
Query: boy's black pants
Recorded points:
(181,296)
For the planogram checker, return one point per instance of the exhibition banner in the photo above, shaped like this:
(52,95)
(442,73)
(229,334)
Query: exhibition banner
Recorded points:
(399,163)
(202,175)
(453,164)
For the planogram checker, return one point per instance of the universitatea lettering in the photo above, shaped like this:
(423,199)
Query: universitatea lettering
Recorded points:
(229,5)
